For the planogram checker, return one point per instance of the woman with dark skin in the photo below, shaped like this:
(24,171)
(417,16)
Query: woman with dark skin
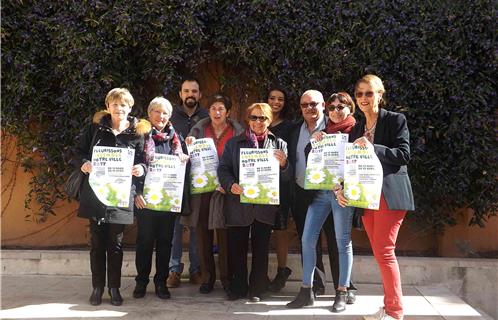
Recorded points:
(281,126)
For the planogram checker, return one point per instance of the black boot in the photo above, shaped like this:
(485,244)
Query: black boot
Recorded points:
(140,290)
(304,298)
(279,282)
(162,292)
(116,299)
(339,301)
(96,297)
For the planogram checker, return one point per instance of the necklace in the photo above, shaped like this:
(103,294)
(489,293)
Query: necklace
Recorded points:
(369,133)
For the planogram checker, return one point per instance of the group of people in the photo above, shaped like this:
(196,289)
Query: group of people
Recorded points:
(268,125)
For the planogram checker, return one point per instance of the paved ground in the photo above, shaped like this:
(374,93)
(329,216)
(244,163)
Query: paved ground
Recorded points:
(66,297)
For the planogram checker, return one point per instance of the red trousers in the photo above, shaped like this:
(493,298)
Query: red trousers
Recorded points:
(382,228)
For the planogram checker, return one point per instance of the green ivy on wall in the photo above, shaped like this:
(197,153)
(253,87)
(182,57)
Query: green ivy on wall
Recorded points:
(437,59)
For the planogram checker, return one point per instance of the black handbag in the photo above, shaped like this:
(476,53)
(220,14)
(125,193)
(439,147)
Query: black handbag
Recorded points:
(74,183)
(357,222)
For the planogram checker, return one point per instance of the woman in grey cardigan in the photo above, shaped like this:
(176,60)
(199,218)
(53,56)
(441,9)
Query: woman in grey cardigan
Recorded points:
(207,208)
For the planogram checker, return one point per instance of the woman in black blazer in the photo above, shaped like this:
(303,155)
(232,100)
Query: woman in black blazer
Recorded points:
(388,132)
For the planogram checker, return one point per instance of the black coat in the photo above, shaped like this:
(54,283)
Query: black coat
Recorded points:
(166,147)
(308,195)
(244,214)
(183,123)
(133,138)
(392,147)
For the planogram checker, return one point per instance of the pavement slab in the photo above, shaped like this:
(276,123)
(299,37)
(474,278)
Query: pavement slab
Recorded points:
(66,297)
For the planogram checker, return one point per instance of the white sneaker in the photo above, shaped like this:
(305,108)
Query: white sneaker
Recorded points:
(379,315)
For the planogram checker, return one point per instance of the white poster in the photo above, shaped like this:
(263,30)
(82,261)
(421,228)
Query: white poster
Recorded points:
(259,174)
(163,187)
(203,166)
(325,166)
(110,178)
(363,177)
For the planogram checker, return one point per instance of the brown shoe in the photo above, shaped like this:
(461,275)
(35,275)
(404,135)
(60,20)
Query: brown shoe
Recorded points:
(174,280)
(196,278)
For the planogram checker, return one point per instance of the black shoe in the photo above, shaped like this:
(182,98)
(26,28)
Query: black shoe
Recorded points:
(162,292)
(232,296)
(339,301)
(140,290)
(116,299)
(351,297)
(304,298)
(206,288)
(318,291)
(279,282)
(96,297)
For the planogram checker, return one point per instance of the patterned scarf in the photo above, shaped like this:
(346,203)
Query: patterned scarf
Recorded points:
(255,139)
(168,133)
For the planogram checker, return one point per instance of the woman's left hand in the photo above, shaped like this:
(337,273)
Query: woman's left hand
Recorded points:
(137,170)
(281,157)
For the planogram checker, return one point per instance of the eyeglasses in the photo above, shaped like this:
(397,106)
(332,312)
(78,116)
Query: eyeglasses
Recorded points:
(360,94)
(256,118)
(311,105)
(337,108)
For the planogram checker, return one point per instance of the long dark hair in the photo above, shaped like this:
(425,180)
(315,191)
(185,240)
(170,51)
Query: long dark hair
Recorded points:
(285,113)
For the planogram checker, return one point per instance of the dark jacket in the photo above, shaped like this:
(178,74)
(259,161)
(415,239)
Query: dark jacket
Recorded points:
(183,123)
(133,138)
(244,214)
(392,147)
(195,200)
(307,195)
(166,147)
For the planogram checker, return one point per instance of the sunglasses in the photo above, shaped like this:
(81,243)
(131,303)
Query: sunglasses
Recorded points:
(360,94)
(337,108)
(256,118)
(311,105)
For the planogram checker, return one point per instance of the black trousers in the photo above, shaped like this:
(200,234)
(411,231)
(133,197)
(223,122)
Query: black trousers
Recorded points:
(106,242)
(301,201)
(153,229)
(238,239)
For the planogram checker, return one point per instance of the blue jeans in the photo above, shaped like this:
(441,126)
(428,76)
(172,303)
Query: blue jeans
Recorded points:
(175,262)
(318,211)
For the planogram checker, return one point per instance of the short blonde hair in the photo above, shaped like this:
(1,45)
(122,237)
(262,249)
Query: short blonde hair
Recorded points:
(121,94)
(373,81)
(264,107)
(160,102)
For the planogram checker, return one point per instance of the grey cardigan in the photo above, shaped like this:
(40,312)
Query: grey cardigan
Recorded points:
(216,218)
